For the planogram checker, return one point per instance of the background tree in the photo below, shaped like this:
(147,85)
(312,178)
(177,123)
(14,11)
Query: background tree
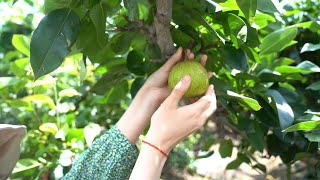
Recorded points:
(264,58)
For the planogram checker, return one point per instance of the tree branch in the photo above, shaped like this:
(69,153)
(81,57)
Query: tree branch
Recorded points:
(162,28)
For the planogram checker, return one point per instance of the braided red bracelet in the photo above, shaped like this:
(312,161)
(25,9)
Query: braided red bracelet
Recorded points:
(166,155)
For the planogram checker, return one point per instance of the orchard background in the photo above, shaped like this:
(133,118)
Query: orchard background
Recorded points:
(69,69)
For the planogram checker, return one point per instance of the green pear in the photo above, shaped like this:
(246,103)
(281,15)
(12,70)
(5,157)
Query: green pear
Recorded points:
(198,74)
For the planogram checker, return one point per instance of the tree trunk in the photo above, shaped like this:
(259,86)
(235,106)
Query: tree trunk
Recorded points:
(162,28)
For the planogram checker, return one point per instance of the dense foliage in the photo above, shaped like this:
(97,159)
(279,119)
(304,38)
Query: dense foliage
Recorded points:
(90,57)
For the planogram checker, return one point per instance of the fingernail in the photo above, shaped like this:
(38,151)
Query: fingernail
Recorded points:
(186,79)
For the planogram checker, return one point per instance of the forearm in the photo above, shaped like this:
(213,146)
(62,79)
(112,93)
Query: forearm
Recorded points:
(137,117)
(149,164)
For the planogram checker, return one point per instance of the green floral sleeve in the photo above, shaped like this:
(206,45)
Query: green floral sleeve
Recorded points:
(110,157)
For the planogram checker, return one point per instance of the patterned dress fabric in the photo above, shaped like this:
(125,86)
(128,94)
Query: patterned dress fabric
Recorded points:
(110,157)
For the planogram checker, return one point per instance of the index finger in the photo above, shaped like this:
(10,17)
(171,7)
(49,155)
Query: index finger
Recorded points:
(176,57)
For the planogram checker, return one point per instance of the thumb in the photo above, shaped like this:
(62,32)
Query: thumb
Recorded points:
(179,90)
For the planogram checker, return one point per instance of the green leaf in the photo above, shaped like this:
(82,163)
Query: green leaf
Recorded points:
(234,164)
(311,25)
(248,7)
(135,63)
(49,128)
(98,18)
(236,58)
(267,6)
(121,42)
(52,40)
(68,93)
(225,148)
(237,162)
(304,126)
(262,20)
(14,1)
(285,113)
(18,67)
(308,117)
(238,30)
(136,85)
(256,138)
(41,99)
(8,81)
(313,137)
(249,102)
(206,155)
(113,77)
(310,47)
(309,66)
(88,42)
(138,9)
(25,167)
(277,40)
(21,43)
(201,20)
(314,113)
(267,75)
(314,86)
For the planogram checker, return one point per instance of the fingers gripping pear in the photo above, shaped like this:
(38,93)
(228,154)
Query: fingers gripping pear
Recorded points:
(199,77)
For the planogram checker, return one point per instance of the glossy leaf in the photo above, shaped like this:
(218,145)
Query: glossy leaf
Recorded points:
(21,43)
(307,65)
(285,113)
(251,103)
(136,85)
(277,40)
(310,47)
(52,40)
(135,63)
(304,126)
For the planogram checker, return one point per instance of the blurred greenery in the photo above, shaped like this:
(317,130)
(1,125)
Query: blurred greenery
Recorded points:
(70,68)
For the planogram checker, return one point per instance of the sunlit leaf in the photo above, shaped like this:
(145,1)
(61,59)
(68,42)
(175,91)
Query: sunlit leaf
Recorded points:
(277,40)
(49,128)
(285,113)
(252,103)
(21,43)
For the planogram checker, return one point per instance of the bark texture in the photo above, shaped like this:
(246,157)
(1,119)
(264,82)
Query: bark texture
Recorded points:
(162,28)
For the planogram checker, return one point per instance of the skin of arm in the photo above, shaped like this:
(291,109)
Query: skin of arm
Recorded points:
(169,125)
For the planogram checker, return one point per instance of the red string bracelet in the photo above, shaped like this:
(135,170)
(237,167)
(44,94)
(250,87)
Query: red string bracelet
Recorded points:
(166,155)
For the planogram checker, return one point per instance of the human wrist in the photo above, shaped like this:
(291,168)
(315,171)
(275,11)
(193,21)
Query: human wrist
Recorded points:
(165,144)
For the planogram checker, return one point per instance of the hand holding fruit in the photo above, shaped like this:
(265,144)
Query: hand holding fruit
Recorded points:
(170,123)
(157,83)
